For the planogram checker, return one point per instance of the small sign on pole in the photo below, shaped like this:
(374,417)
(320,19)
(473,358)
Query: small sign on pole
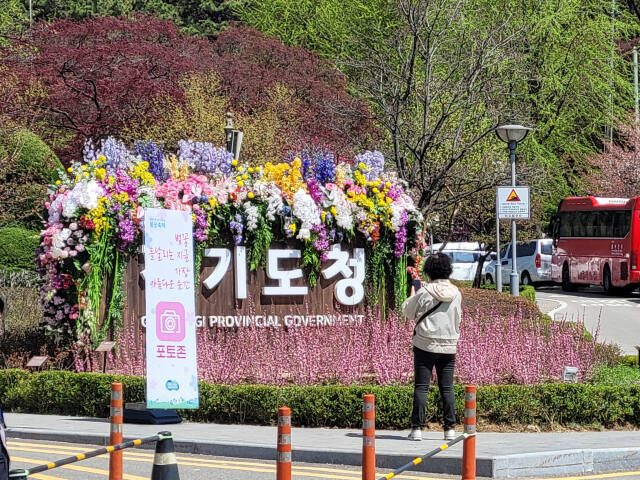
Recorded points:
(513,203)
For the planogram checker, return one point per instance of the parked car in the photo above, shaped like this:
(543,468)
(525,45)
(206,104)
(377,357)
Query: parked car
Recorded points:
(533,262)
(464,258)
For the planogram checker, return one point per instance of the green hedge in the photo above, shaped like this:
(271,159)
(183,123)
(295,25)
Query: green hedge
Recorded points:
(573,405)
(17,248)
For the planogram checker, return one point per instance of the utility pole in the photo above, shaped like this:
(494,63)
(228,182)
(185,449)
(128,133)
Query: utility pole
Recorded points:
(30,13)
(635,83)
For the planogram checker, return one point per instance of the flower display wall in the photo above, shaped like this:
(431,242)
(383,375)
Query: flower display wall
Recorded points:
(95,211)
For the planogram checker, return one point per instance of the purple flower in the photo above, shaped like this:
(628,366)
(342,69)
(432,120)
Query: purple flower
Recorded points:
(115,152)
(374,161)
(126,232)
(236,228)
(152,153)
(200,231)
(204,157)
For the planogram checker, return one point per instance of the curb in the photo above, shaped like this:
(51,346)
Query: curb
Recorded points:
(448,465)
(551,463)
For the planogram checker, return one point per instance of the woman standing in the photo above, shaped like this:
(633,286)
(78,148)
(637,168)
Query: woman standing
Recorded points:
(436,309)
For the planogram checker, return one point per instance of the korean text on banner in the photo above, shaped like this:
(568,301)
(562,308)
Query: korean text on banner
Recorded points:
(172,376)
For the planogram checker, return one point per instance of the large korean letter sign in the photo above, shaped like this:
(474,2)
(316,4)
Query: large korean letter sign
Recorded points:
(172,377)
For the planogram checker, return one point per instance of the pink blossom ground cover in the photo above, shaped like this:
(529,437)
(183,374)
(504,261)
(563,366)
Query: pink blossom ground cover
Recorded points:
(494,348)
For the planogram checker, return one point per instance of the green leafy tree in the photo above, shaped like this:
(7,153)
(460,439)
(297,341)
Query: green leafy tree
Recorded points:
(203,17)
(13,18)
(440,75)
(27,167)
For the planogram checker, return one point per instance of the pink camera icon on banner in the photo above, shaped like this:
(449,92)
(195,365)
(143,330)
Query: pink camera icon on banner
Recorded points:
(170,321)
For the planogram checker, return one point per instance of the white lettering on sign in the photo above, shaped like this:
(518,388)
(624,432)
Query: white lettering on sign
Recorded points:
(284,277)
(275,321)
(340,266)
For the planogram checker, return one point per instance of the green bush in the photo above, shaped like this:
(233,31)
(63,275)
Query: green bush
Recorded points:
(17,248)
(66,393)
(27,166)
(526,291)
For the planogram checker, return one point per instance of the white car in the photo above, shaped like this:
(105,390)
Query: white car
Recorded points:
(533,262)
(464,258)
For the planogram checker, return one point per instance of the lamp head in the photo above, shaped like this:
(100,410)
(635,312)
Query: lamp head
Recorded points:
(512,133)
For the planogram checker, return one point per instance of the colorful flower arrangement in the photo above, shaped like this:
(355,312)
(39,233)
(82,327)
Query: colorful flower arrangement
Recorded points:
(95,210)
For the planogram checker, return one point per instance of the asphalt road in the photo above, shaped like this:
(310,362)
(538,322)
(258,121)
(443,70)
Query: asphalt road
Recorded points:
(137,466)
(615,318)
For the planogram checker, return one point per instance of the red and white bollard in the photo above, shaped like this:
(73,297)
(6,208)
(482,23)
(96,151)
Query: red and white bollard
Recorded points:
(369,437)
(283,464)
(115,419)
(469,443)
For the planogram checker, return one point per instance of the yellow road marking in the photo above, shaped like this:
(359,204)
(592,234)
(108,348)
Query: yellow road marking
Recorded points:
(189,461)
(41,476)
(302,471)
(99,471)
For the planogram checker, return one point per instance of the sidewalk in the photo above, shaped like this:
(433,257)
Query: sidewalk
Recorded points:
(499,455)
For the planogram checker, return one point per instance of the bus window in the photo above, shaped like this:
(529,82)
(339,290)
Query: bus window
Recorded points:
(565,229)
(579,220)
(621,223)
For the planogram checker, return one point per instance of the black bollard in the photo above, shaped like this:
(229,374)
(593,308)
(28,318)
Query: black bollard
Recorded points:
(165,466)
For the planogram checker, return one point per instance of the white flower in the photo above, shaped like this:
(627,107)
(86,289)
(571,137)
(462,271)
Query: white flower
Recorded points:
(396,217)
(83,195)
(336,198)
(304,234)
(252,215)
(305,209)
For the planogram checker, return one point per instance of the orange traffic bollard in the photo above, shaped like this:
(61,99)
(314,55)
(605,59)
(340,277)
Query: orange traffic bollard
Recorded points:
(115,458)
(369,437)
(469,443)
(283,464)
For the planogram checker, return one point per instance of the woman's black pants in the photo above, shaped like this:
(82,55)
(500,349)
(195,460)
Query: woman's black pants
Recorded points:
(423,365)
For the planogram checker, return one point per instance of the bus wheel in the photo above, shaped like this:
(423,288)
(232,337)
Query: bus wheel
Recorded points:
(567,286)
(606,281)
(526,279)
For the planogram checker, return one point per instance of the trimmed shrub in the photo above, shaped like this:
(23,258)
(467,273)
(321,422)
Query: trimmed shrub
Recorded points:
(17,248)
(27,166)
(545,405)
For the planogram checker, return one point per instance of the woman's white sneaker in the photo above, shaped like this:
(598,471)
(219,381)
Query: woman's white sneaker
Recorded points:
(449,434)
(415,435)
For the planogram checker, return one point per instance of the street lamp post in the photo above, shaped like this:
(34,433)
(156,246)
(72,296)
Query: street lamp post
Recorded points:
(511,135)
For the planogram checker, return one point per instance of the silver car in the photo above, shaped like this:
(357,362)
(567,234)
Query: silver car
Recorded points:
(533,261)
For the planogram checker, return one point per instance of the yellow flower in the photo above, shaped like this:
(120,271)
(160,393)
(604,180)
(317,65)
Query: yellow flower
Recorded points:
(58,182)
(293,228)
(334,212)
(323,215)
(362,166)
(69,169)
(234,162)
(388,199)
(375,190)
(213,203)
(238,178)
(388,184)
(111,180)
(245,176)
(241,183)
(83,167)
(250,169)
(101,173)
(250,195)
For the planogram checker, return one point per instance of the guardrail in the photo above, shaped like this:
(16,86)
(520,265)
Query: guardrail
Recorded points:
(165,466)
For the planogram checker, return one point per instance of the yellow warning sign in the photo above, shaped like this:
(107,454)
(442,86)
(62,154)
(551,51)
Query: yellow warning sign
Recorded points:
(513,197)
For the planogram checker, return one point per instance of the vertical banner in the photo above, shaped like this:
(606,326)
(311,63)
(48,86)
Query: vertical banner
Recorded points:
(172,376)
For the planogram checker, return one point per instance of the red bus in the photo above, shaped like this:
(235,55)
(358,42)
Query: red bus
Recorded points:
(596,242)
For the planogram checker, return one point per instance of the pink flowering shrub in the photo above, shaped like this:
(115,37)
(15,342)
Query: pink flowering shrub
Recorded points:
(493,349)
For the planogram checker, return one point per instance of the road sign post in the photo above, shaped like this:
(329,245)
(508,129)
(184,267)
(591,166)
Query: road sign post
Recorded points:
(513,204)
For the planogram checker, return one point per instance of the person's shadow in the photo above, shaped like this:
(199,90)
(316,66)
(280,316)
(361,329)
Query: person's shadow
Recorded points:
(381,437)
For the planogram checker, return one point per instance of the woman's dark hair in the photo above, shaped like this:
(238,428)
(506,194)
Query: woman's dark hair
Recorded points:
(437,266)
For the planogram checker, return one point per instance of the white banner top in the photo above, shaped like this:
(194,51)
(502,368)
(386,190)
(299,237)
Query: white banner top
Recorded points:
(172,370)
(513,203)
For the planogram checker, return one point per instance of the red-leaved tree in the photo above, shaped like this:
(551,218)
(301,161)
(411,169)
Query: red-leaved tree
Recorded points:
(251,63)
(87,79)
(617,169)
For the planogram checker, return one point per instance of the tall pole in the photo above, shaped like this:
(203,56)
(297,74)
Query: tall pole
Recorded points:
(514,270)
(613,27)
(498,259)
(30,13)
(635,82)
